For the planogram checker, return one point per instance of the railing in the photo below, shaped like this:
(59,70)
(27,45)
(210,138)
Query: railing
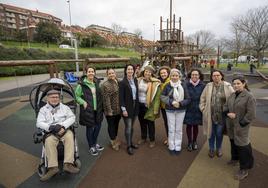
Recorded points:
(52,64)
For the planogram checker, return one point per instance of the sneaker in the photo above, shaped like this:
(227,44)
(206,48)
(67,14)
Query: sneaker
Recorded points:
(93,151)
(152,144)
(177,152)
(241,174)
(99,147)
(50,173)
(68,167)
(195,146)
(190,147)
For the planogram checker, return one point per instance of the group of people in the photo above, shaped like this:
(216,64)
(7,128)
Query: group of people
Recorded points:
(216,105)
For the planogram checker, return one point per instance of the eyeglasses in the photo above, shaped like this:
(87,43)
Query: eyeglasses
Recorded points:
(55,97)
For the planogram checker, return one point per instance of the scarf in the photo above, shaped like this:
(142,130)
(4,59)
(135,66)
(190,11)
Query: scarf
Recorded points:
(194,83)
(178,92)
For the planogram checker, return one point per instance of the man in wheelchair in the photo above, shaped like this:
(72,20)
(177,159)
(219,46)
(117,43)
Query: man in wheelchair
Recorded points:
(55,118)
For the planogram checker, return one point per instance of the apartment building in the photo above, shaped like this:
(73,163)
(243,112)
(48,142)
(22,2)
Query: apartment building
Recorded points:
(14,18)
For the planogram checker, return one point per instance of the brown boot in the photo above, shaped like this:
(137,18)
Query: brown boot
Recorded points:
(68,167)
(50,173)
(241,174)
(219,153)
(114,145)
(152,144)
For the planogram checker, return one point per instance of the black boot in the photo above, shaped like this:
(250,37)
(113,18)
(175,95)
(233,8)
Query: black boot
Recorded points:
(130,150)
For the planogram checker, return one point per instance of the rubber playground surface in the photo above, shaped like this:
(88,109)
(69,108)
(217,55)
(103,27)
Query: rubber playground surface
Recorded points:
(20,157)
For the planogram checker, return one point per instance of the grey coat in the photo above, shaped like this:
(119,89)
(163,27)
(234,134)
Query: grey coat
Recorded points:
(244,106)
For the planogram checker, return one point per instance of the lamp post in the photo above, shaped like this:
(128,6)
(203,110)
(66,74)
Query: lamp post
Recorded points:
(70,17)
(73,40)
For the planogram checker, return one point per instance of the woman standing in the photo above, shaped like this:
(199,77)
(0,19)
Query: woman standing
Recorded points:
(88,96)
(176,98)
(193,116)
(212,100)
(129,103)
(149,103)
(241,110)
(110,93)
(164,72)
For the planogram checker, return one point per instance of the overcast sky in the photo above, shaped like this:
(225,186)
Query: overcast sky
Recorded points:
(213,15)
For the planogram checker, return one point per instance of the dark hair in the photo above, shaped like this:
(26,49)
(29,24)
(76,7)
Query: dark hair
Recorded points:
(201,75)
(90,66)
(215,70)
(125,69)
(110,68)
(242,79)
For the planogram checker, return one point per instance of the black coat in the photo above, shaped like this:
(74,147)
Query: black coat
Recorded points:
(193,114)
(89,117)
(126,98)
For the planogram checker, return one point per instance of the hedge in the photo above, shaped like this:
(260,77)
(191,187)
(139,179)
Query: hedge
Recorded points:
(37,54)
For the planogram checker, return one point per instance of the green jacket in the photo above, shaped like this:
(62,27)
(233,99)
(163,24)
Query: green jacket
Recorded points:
(153,99)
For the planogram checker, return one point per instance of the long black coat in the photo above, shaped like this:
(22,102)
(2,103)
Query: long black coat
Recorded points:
(89,117)
(193,114)
(126,98)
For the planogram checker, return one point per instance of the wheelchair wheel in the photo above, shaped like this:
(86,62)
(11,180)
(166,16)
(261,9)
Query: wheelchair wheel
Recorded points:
(77,163)
(41,170)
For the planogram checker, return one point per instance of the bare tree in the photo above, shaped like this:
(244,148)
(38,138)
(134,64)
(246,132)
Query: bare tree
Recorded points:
(137,39)
(206,40)
(238,42)
(118,30)
(255,24)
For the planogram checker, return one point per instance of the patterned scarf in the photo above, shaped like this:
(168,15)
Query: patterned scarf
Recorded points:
(178,92)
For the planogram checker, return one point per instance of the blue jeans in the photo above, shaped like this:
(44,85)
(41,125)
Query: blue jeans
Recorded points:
(92,135)
(216,135)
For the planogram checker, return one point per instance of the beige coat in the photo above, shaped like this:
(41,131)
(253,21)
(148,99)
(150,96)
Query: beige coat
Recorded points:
(244,106)
(205,105)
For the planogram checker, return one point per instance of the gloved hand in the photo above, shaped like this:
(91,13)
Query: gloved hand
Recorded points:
(55,128)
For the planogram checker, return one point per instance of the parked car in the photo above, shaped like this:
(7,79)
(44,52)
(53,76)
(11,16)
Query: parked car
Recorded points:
(65,46)
(246,58)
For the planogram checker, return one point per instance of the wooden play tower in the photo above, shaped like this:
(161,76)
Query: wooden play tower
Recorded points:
(171,49)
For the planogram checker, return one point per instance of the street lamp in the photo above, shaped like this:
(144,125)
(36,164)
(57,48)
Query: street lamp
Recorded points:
(70,17)
(73,39)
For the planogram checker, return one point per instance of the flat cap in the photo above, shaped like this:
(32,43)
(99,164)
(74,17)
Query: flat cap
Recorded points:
(53,91)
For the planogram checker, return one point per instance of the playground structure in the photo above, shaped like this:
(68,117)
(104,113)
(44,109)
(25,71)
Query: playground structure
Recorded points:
(171,49)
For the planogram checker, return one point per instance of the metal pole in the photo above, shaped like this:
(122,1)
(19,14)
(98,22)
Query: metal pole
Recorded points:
(76,57)
(70,17)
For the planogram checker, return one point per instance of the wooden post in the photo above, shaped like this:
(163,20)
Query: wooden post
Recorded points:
(167,31)
(51,71)
(161,31)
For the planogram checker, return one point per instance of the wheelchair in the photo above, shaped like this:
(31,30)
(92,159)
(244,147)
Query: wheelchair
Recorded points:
(38,100)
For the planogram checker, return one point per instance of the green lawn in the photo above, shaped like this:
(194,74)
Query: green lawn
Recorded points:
(245,67)
(54,47)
